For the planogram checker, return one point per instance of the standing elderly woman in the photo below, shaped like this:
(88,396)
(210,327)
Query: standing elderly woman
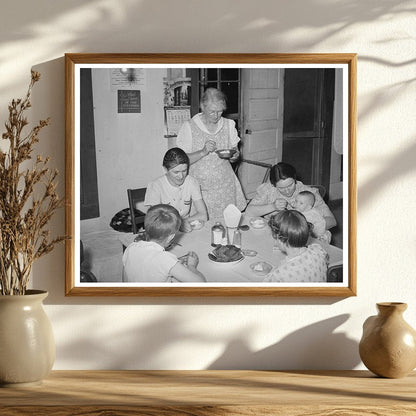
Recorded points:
(281,192)
(199,138)
(178,189)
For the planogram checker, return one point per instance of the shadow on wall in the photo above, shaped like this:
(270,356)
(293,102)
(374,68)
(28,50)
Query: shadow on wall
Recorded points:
(48,100)
(156,343)
(392,170)
(396,166)
(52,143)
(314,347)
(30,36)
(105,26)
(146,346)
(249,23)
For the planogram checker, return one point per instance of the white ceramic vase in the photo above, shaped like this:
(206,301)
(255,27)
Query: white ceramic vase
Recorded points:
(27,346)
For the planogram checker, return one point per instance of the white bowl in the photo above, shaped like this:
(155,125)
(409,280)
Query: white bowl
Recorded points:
(197,224)
(261,268)
(258,222)
(225,153)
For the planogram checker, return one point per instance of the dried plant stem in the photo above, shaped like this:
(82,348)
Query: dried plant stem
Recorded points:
(23,213)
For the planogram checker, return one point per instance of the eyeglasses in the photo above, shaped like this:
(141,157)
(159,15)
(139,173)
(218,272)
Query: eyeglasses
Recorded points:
(215,113)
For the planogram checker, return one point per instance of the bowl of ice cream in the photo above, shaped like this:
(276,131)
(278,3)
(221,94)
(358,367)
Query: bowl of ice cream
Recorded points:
(225,153)
(258,222)
(197,224)
(261,268)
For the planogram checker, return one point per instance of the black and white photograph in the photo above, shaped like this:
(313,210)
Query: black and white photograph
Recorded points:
(201,175)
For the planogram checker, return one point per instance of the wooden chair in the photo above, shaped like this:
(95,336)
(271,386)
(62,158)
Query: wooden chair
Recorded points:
(334,274)
(267,166)
(137,216)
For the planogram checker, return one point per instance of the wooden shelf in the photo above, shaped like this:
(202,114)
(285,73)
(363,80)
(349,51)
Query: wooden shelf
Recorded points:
(253,393)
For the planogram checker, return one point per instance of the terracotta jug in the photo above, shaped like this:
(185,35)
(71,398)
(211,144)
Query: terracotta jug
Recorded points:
(27,346)
(388,345)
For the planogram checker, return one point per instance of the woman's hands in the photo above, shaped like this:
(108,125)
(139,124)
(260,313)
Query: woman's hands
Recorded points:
(280,204)
(210,146)
(235,156)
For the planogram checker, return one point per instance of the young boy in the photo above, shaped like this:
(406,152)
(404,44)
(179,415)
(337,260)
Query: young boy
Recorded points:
(147,261)
(304,203)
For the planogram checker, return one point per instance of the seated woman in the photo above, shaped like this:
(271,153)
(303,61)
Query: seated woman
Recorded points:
(303,263)
(281,193)
(178,189)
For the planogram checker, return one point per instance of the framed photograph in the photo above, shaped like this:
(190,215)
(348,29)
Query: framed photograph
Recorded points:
(253,193)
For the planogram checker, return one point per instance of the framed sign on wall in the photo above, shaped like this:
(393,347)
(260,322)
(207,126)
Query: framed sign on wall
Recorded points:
(128,101)
(287,123)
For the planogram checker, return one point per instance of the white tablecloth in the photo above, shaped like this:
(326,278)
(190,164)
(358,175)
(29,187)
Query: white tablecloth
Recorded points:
(260,240)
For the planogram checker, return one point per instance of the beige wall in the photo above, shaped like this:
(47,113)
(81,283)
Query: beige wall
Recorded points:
(192,333)
(129,147)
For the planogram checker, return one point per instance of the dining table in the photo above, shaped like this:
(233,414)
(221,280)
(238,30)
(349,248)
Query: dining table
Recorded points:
(258,240)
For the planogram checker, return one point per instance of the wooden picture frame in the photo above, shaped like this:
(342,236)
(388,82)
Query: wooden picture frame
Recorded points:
(343,64)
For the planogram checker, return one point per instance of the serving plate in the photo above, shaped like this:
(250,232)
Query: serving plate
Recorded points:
(214,260)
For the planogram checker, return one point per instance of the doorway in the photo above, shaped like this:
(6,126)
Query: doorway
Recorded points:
(307,123)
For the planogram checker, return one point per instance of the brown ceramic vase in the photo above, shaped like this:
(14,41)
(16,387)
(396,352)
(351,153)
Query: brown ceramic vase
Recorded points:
(27,346)
(388,345)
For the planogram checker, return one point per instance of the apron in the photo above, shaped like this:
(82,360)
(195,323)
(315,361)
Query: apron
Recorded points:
(219,185)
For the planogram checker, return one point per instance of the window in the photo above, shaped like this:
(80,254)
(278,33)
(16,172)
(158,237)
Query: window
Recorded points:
(225,79)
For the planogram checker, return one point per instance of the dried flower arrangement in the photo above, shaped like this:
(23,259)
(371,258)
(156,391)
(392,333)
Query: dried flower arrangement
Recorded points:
(28,199)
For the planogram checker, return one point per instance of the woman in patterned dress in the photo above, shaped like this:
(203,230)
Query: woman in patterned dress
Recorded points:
(303,262)
(199,138)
